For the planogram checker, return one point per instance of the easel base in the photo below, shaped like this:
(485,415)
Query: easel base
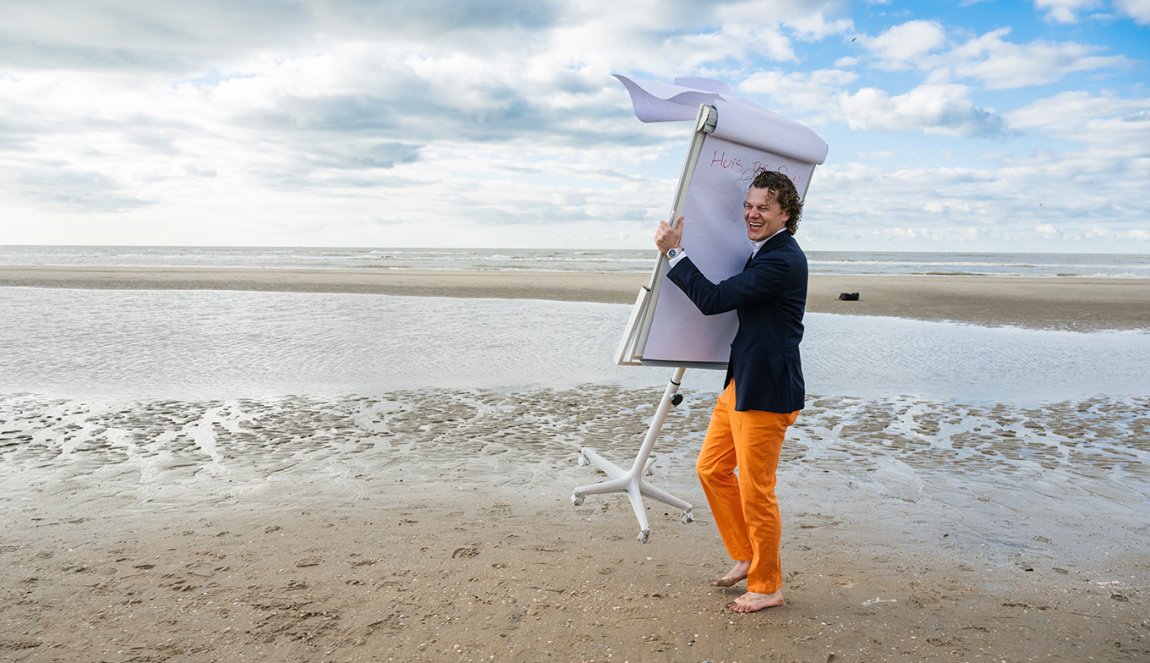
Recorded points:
(631,481)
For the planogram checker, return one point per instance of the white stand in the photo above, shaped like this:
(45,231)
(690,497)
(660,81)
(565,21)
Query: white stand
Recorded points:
(631,481)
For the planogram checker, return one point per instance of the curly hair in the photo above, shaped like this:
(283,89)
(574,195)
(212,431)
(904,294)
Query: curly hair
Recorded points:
(785,194)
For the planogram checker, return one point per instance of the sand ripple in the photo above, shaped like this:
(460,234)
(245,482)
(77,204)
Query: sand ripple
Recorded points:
(152,447)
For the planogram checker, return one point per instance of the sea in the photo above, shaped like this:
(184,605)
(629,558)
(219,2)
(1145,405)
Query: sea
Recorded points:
(1063,265)
(927,414)
(160,342)
(153,342)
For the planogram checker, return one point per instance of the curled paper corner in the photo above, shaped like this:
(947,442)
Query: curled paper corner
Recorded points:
(653,101)
(740,120)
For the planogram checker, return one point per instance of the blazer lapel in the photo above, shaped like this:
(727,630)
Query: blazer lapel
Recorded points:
(770,245)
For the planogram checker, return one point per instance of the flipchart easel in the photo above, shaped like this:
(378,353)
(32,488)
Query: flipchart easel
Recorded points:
(683,337)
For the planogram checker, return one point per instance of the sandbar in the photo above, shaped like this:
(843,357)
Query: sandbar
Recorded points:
(1078,304)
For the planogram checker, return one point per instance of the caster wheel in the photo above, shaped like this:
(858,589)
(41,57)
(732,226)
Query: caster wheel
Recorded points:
(576,499)
(644,535)
(583,462)
(688,517)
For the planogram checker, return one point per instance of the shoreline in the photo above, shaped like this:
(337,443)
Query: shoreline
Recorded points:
(1075,304)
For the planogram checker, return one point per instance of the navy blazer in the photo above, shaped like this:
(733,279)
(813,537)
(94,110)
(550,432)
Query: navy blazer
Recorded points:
(770,295)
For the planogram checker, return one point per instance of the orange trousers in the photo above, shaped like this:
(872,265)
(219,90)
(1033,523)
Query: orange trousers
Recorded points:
(744,504)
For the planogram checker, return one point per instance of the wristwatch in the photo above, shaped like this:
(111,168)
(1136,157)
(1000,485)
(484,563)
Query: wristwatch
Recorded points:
(671,253)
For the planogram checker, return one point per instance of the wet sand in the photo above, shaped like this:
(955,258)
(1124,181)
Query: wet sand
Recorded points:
(1081,304)
(437,525)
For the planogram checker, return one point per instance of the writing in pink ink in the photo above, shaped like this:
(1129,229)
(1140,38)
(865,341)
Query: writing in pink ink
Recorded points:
(721,160)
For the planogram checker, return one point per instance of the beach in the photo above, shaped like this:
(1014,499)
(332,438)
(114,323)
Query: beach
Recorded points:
(1082,304)
(348,520)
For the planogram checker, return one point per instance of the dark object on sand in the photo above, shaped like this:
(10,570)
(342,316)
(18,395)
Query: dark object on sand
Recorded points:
(849,296)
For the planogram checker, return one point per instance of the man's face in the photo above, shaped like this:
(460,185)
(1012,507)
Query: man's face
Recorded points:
(762,214)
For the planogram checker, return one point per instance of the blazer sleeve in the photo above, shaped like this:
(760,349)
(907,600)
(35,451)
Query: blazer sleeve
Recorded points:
(763,279)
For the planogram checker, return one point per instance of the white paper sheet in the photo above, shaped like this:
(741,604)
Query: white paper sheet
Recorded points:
(740,121)
(667,328)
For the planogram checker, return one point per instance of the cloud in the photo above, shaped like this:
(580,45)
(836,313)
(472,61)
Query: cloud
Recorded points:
(432,19)
(170,36)
(940,109)
(999,64)
(78,191)
(811,95)
(141,37)
(1107,133)
(902,45)
(1138,10)
(1065,11)
(314,116)
(989,59)
(818,25)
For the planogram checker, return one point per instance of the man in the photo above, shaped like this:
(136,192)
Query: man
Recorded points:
(764,389)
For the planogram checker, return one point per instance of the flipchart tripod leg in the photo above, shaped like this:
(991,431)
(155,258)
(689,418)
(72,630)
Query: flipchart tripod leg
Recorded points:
(631,481)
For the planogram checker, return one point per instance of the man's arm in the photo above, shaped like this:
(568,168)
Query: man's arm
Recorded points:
(763,280)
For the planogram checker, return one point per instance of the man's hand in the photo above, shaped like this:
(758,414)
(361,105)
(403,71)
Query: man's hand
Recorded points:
(667,238)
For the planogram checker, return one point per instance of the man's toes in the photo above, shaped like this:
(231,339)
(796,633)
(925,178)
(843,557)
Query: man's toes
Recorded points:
(745,604)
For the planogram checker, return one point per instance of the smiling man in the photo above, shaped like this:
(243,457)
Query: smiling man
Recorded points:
(764,390)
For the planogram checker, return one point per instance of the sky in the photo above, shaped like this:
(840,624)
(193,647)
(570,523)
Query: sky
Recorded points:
(982,125)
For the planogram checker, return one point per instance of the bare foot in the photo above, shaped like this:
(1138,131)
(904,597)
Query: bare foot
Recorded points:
(738,572)
(754,602)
